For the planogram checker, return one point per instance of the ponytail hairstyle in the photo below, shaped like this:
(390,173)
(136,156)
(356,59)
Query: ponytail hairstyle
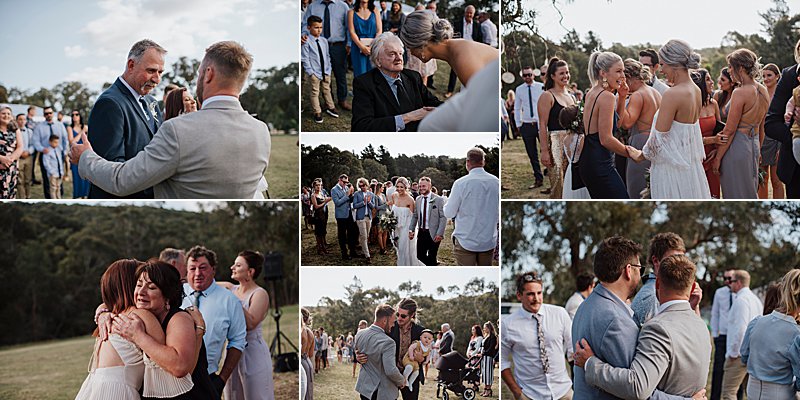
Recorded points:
(553,66)
(601,61)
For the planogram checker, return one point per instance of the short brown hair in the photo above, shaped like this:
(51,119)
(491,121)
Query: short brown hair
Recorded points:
(425,178)
(383,310)
(232,60)
(476,156)
(201,251)
(409,305)
(254,259)
(117,285)
(677,273)
(613,255)
(527,277)
(661,243)
(165,277)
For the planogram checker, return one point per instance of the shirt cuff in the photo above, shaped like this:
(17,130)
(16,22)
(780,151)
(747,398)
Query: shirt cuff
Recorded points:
(399,125)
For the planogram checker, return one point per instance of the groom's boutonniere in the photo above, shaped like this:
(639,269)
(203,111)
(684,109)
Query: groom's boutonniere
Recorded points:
(152,106)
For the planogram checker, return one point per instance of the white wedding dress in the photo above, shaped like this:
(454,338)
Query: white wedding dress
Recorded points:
(570,148)
(677,157)
(406,248)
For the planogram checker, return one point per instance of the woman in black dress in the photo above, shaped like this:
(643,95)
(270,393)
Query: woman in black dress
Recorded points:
(596,163)
(319,203)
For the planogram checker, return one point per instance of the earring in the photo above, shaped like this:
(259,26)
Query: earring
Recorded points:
(605,83)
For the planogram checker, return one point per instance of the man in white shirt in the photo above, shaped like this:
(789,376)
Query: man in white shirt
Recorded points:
(746,306)
(584,284)
(723,299)
(488,29)
(324,348)
(474,204)
(527,120)
(536,339)
(649,58)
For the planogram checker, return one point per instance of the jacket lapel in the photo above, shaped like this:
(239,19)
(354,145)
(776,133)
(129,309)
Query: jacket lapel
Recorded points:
(137,107)
(384,89)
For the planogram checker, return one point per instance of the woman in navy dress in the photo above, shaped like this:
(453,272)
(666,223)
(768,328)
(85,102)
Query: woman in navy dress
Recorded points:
(80,186)
(364,24)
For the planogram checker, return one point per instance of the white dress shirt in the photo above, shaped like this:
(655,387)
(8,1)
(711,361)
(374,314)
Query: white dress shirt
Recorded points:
(573,303)
(474,203)
(423,221)
(489,31)
(719,311)
(524,107)
(467,30)
(520,345)
(660,85)
(746,306)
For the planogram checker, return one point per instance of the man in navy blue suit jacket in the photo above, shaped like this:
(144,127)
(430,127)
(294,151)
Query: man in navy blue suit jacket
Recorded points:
(125,117)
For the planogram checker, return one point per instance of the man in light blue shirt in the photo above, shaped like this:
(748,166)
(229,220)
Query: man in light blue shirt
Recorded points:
(334,29)
(221,310)
(474,203)
(645,303)
(41,142)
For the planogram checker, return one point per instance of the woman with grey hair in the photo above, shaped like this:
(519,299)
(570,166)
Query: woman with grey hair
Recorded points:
(675,145)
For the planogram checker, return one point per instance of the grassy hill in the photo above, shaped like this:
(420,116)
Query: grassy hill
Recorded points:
(56,369)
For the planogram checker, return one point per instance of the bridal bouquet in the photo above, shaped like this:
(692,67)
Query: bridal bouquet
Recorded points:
(388,222)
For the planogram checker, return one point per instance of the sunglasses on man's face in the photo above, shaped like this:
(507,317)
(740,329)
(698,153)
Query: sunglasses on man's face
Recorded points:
(526,75)
(401,316)
(48,113)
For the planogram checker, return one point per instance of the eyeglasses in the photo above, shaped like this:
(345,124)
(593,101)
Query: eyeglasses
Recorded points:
(76,115)
(402,316)
(48,113)
(526,75)
(727,279)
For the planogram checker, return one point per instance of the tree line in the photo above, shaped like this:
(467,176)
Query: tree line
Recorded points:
(53,255)
(525,47)
(562,237)
(328,162)
(474,303)
(271,94)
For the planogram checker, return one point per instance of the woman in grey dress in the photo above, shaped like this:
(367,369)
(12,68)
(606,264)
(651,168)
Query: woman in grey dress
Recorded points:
(736,162)
(637,115)
(769,148)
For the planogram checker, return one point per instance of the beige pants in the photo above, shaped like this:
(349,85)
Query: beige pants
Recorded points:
(466,257)
(55,187)
(735,374)
(315,84)
(364,226)
(25,176)
(567,396)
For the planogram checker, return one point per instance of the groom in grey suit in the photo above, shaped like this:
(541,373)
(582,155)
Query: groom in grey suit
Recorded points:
(673,353)
(219,151)
(379,378)
(429,215)
(604,320)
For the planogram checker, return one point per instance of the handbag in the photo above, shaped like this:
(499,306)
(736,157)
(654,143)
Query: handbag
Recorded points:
(719,126)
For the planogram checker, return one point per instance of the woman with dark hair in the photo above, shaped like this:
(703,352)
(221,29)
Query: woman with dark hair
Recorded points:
(396,18)
(116,368)
(475,341)
(709,116)
(178,366)
(252,377)
(80,186)
(769,147)
(178,102)
(723,95)
(675,144)
(488,353)
(551,133)
(380,208)
(736,161)
(637,115)
(319,204)
(10,151)
(364,24)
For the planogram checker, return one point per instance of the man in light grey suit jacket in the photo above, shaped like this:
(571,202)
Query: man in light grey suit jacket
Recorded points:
(218,152)
(673,352)
(429,215)
(379,378)
(604,320)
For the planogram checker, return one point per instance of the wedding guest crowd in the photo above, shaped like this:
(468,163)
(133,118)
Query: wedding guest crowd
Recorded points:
(685,140)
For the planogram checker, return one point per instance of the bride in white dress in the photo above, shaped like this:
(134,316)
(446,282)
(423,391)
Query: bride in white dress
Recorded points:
(675,145)
(403,207)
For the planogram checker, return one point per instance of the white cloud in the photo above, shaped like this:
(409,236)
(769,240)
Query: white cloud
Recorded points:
(283,5)
(95,77)
(74,51)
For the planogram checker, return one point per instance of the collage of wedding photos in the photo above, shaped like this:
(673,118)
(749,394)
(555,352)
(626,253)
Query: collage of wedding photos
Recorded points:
(407,199)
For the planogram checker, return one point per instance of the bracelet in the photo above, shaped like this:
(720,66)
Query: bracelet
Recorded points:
(202,328)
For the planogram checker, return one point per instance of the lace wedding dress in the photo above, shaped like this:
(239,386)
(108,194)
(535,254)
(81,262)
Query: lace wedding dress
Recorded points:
(406,248)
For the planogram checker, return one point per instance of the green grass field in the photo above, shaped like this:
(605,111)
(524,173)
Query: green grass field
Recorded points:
(337,383)
(282,173)
(342,124)
(309,254)
(516,174)
(56,369)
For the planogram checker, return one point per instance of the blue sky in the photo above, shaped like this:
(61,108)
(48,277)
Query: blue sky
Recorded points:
(702,23)
(88,40)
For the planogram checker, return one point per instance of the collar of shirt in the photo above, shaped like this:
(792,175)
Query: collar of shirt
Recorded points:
(218,98)
(204,293)
(476,170)
(783,316)
(134,93)
(666,305)
(391,80)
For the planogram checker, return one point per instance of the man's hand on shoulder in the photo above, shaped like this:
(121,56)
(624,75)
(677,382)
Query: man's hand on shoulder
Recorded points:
(78,149)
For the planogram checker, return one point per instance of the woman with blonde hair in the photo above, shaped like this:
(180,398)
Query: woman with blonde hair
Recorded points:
(770,74)
(771,346)
(736,161)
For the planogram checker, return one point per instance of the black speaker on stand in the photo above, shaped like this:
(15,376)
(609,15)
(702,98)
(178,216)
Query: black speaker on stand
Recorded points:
(273,271)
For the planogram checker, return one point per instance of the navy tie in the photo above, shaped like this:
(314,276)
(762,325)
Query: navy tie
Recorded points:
(530,100)
(321,59)
(326,25)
